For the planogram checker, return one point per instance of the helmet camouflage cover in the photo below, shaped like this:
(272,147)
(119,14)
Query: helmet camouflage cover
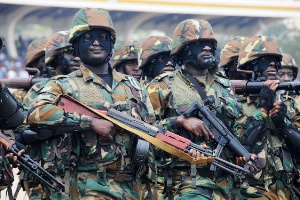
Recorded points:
(191,30)
(288,61)
(56,44)
(231,50)
(256,47)
(35,49)
(151,47)
(91,18)
(125,50)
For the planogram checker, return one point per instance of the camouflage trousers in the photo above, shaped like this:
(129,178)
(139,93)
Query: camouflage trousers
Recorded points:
(93,186)
(41,192)
(277,191)
(181,187)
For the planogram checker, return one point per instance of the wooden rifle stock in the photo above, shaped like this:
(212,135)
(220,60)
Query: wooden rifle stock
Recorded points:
(24,83)
(165,140)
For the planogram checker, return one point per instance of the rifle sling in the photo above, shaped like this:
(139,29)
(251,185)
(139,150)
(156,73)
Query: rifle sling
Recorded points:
(198,87)
(68,104)
(203,95)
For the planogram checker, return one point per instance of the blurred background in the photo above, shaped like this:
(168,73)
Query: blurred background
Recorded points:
(24,20)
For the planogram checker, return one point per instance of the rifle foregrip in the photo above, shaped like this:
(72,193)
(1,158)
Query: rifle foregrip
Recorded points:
(174,140)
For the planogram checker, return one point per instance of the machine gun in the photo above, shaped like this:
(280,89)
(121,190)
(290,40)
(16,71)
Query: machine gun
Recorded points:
(30,165)
(221,133)
(165,140)
(25,83)
(254,87)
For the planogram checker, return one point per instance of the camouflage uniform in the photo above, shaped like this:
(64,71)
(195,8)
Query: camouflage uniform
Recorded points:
(177,179)
(152,47)
(268,183)
(104,170)
(48,152)
(124,50)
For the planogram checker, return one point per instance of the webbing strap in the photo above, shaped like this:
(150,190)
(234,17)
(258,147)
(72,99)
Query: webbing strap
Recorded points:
(69,104)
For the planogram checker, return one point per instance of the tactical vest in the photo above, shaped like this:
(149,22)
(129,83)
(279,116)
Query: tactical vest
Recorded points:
(96,153)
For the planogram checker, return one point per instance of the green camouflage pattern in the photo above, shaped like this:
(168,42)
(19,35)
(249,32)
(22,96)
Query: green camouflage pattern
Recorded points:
(56,45)
(271,149)
(90,18)
(151,47)
(19,94)
(231,50)
(124,50)
(288,61)
(191,30)
(173,91)
(256,47)
(35,49)
(94,154)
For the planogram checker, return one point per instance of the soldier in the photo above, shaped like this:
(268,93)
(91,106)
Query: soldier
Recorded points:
(58,55)
(193,47)
(154,57)
(105,169)
(289,69)
(262,56)
(35,64)
(229,58)
(125,59)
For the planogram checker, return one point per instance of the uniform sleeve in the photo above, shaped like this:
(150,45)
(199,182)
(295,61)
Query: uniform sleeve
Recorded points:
(159,95)
(44,112)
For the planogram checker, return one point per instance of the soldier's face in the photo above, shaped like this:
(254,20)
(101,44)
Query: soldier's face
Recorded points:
(268,65)
(131,68)
(94,53)
(285,74)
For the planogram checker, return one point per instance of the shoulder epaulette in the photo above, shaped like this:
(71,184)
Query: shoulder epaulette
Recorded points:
(163,75)
(59,77)
(223,81)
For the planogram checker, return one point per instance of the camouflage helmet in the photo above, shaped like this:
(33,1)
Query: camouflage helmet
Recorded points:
(256,47)
(125,50)
(191,30)
(231,50)
(55,45)
(91,18)
(289,62)
(151,47)
(35,49)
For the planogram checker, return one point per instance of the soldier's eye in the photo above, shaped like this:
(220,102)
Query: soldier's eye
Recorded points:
(87,37)
(161,58)
(103,36)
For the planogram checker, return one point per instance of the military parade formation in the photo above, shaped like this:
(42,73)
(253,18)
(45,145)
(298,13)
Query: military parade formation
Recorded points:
(165,119)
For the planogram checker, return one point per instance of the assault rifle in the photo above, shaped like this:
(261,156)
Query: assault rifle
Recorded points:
(30,165)
(221,133)
(157,136)
(254,87)
(25,83)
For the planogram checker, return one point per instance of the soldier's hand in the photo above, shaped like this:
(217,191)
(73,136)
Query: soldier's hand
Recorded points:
(278,113)
(197,154)
(105,129)
(267,95)
(13,159)
(195,126)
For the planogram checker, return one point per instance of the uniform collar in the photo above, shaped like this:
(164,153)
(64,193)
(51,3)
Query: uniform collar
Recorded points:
(88,75)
